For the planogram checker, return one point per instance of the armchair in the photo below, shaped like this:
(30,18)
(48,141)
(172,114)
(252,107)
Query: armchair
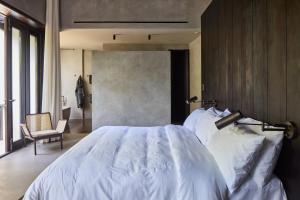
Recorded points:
(39,127)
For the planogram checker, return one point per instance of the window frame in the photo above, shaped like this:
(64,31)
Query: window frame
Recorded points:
(26,31)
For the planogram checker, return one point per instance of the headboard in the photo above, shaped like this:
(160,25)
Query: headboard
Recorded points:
(251,63)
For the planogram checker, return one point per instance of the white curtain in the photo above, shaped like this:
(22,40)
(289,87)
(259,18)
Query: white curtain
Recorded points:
(51,101)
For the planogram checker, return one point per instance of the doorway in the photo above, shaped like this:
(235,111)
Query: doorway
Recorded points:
(179,85)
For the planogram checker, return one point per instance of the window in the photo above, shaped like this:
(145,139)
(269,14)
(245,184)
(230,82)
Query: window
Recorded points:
(16,81)
(33,74)
(21,76)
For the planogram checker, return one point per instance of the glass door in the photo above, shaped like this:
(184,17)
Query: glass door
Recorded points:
(17,87)
(20,83)
(23,70)
(3,132)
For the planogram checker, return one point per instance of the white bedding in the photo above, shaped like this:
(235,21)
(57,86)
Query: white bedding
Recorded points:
(131,163)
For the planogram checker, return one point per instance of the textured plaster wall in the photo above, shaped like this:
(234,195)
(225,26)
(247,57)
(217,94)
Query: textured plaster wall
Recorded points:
(195,71)
(132,10)
(34,8)
(131,88)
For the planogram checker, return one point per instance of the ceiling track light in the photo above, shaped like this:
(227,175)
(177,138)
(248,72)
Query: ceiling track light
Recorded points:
(149,37)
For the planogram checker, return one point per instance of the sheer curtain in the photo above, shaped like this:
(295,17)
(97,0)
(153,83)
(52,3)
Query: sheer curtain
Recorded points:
(52,73)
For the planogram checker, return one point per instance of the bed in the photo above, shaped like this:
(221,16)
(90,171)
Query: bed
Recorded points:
(136,163)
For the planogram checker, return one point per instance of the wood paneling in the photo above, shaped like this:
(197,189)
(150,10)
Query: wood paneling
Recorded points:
(260,69)
(276,60)
(235,76)
(253,65)
(292,150)
(211,45)
(225,53)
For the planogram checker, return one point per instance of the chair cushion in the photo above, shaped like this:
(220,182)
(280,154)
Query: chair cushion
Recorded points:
(43,133)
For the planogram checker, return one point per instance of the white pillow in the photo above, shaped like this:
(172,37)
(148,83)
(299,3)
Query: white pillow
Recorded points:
(269,154)
(192,119)
(226,112)
(206,127)
(235,152)
(214,111)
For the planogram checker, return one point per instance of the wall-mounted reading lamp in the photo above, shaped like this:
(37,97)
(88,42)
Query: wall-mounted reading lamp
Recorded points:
(203,102)
(288,128)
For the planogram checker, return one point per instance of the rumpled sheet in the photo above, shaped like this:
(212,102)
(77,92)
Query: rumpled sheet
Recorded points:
(133,163)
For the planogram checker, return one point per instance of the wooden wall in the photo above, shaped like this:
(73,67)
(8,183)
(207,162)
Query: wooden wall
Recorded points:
(251,63)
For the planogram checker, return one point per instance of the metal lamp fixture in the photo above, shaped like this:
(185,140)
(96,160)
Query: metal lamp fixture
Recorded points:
(288,127)
(194,99)
(225,121)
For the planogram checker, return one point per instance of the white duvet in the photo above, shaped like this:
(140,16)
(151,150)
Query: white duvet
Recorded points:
(131,163)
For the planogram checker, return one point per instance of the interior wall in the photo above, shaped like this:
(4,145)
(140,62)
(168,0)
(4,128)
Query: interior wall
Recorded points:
(87,68)
(132,10)
(251,63)
(34,8)
(143,47)
(131,88)
(71,68)
(195,71)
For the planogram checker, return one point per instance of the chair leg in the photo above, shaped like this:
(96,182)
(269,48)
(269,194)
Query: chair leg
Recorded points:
(49,140)
(61,142)
(34,142)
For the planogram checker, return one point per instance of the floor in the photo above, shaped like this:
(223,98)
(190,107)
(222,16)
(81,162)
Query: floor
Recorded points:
(2,149)
(20,168)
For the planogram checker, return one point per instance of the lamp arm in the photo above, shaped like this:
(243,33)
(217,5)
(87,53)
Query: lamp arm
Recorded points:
(287,127)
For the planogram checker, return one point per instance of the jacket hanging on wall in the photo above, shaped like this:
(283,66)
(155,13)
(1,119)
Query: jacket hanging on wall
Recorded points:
(79,92)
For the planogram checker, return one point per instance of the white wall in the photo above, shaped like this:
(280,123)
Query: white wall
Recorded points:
(71,69)
(195,71)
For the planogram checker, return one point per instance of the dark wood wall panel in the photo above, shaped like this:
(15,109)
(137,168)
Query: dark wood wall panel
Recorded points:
(236,67)
(260,69)
(276,60)
(212,49)
(252,64)
(224,53)
(291,156)
(246,56)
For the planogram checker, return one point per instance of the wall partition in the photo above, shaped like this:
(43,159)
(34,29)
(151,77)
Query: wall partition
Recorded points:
(131,88)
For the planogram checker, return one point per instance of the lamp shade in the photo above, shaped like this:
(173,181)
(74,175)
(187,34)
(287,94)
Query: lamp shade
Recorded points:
(228,120)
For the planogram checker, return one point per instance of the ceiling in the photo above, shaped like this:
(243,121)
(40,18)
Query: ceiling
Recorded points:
(95,38)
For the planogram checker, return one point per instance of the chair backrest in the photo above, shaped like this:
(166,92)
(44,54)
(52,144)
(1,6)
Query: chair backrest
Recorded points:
(25,130)
(39,122)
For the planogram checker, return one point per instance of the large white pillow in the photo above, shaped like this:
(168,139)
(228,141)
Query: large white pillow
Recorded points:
(235,151)
(205,127)
(269,154)
(226,112)
(192,119)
